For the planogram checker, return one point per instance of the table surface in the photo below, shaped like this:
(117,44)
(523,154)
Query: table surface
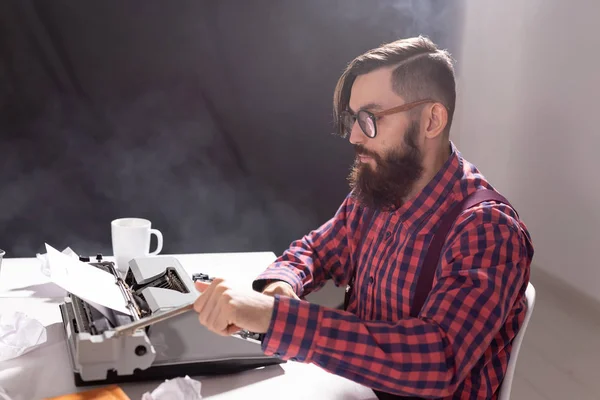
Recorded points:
(46,371)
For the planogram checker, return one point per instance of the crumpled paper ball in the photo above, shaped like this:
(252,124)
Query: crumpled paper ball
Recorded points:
(176,389)
(19,334)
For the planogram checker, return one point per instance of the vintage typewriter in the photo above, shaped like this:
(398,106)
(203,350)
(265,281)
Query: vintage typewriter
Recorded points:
(177,346)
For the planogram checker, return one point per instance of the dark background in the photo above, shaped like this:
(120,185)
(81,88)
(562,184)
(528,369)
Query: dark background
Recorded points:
(210,118)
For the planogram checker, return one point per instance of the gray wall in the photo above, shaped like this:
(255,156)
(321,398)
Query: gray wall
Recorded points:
(212,119)
(535,134)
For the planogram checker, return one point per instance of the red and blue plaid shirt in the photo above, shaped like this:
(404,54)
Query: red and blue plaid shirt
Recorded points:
(459,345)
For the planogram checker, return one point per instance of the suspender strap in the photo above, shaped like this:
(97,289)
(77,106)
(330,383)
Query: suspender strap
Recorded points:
(432,258)
(434,250)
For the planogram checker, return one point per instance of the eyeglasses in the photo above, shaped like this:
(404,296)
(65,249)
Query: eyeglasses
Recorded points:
(368,120)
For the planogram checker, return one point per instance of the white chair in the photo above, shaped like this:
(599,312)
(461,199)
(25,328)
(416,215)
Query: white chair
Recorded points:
(506,385)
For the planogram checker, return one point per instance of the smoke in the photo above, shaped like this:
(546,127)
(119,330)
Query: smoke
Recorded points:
(165,161)
(440,20)
(181,171)
(146,144)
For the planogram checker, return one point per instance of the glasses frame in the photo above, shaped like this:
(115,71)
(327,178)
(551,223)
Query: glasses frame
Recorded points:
(374,116)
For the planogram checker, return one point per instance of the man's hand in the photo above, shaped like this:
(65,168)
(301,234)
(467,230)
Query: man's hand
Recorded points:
(280,288)
(224,310)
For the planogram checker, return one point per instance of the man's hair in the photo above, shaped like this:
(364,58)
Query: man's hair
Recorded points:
(422,71)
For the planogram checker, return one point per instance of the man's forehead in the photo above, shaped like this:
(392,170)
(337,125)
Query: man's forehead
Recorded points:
(373,90)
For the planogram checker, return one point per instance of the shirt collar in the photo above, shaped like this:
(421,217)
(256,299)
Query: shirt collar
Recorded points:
(433,195)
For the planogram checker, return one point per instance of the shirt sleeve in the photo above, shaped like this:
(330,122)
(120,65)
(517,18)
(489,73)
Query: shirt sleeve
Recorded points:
(484,270)
(322,254)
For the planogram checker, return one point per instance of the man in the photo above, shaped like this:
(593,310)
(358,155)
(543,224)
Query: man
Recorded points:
(395,103)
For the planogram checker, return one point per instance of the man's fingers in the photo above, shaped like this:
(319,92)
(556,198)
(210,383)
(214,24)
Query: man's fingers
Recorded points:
(231,329)
(205,290)
(213,309)
(220,317)
(199,303)
(209,305)
(201,286)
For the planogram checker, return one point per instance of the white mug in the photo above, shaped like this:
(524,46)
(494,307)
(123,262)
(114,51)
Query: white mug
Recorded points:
(131,238)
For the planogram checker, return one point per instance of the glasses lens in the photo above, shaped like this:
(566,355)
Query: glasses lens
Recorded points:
(366,123)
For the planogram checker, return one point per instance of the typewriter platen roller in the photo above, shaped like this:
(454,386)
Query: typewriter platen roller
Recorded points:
(174,347)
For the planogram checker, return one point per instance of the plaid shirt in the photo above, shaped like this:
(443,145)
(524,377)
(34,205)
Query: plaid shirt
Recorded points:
(460,344)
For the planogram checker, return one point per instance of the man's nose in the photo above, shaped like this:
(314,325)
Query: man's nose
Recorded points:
(356,134)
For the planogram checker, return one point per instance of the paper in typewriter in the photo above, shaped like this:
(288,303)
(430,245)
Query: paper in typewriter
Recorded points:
(85,281)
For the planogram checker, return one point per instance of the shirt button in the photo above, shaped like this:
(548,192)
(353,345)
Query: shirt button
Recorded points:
(371,279)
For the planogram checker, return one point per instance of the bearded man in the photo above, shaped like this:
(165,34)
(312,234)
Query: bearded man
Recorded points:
(435,259)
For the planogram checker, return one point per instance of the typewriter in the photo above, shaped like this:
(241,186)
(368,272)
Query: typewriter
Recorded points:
(174,347)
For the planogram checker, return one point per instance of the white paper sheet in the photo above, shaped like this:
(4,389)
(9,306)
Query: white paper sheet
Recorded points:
(85,281)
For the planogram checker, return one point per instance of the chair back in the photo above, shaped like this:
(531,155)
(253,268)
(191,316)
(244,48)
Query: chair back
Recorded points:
(506,385)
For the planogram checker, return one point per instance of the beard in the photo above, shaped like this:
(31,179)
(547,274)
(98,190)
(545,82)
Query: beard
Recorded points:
(386,186)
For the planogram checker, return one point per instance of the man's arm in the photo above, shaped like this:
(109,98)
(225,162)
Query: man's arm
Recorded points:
(322,254)
(483,270)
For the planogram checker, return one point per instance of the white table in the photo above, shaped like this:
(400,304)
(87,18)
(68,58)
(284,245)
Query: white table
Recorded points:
(46,372)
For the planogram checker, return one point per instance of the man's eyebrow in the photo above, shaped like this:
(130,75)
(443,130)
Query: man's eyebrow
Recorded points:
(369,106)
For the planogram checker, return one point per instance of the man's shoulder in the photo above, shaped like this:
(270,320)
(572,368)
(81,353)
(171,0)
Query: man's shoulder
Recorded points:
(493,218)
(491,229)
(492,211)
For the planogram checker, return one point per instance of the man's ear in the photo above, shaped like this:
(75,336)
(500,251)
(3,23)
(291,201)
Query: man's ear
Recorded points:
(435,119)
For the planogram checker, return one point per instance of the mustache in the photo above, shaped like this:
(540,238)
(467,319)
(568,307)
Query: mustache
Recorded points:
(362,151)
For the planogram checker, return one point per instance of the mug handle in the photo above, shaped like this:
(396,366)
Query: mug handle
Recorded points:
(159,241)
